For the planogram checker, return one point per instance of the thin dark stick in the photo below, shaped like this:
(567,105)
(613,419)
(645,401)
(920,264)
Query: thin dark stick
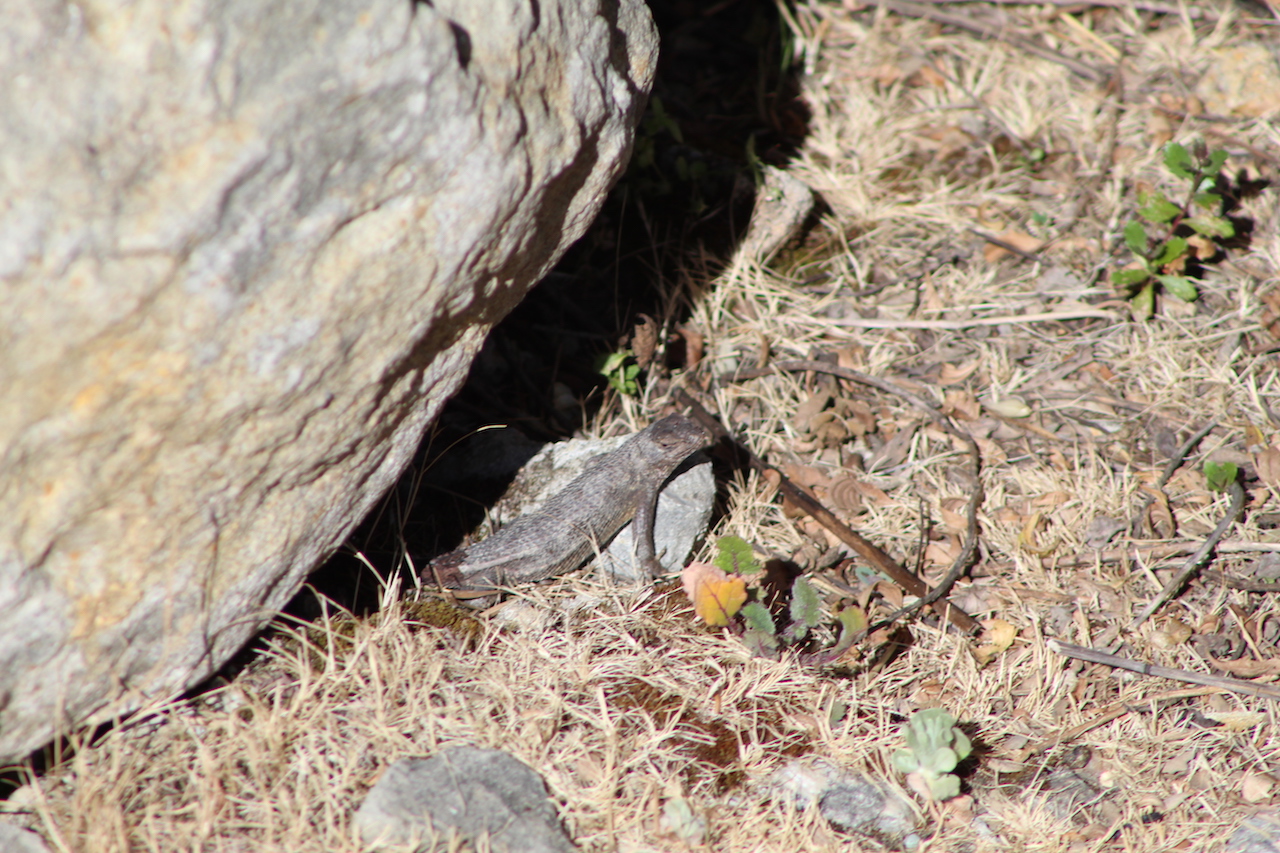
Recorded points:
(1235,685)
(878,559)
(1158,8)
(990,30)
(1193,562)
(1240,583)
(1004,244)
(1106,715)
(1174,463)
(970,547)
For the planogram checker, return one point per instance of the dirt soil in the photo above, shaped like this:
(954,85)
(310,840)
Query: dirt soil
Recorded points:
(923,140)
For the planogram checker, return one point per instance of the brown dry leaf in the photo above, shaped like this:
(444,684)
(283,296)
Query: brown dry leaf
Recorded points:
(1173,633)
(895,450)
(991,452)
(1248,668)
(997,636)
(806,476)
(961,404)
(1160,127)
(773,479)
(875,495)
(1018,239)
(846,497)
(1267,463)
(952,512)
(858,417)
(809,409)
(828,429)
(1050,500)
(1099,371)
(943,552)
(1007,515)
(952,375)
(716,596)
(1159,515)
(890,593)
(852,357)
(928,75)
(694,346)
(1257,787)
(762,350)
(644,341)
(1254,440)
(1027,536)
(1270,318)
(1204,247)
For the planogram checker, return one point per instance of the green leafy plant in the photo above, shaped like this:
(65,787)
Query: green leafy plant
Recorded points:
(735,556)
(719,593)
(934,747)
(621,371)
(1168,234)
(1220,475)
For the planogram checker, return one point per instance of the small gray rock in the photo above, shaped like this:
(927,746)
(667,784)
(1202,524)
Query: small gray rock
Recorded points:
(1258,834)
(849,800)
(15,839)
(466,792)
(856,804)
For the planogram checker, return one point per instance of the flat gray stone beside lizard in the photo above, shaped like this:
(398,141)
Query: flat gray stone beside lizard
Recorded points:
(573,525)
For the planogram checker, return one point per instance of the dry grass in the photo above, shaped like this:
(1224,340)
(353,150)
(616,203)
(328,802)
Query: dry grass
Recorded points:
(919,134)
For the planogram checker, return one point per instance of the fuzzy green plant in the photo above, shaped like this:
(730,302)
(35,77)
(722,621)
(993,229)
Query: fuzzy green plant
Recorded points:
(1220,475)
(621,371)
(1169,234)
(718,592)
(734,556)
(935,746)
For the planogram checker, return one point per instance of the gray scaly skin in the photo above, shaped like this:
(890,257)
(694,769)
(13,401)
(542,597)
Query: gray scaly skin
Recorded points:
(570,527)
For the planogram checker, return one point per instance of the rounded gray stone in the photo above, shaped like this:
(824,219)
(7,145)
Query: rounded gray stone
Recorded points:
(464,792)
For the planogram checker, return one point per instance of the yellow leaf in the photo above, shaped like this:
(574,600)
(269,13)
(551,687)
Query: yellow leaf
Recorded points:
(999,636)
(717,597)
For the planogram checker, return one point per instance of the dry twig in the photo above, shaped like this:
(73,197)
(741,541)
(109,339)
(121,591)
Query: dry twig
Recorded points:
(1175,462)
(878,559)
(1195,560)
(993,30)
(1235,685)
(970,546)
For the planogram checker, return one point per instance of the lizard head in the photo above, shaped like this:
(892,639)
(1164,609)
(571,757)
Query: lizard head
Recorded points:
(678,436)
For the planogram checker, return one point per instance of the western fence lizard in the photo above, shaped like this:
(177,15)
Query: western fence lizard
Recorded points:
(578,521)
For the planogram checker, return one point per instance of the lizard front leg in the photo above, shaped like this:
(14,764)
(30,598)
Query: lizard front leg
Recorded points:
(642,528)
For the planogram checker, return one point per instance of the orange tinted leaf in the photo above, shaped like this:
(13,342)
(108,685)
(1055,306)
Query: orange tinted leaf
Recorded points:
(716,596)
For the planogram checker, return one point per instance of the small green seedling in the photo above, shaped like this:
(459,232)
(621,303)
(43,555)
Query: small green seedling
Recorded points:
(934,747)
(759,634)
(1220,475)
(735,556)
(621,371)
(756,625)
(1163,246)
(806,611)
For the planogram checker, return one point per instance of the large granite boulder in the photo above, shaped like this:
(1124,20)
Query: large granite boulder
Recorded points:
(247,250)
